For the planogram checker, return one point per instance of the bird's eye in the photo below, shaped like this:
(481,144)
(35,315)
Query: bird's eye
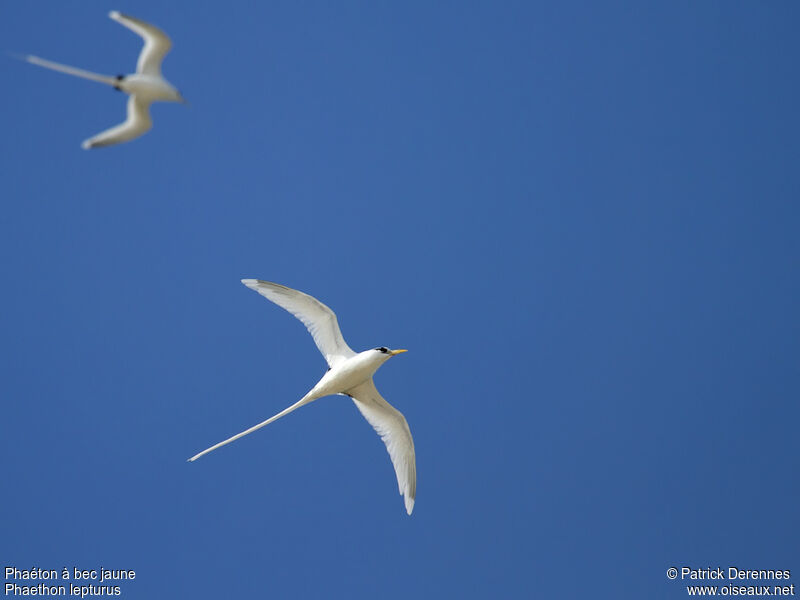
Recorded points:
(382,349)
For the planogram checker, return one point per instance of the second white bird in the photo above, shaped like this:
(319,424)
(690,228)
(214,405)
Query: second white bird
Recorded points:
(145,86)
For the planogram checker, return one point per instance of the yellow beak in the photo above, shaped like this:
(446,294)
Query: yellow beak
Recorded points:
(396,352)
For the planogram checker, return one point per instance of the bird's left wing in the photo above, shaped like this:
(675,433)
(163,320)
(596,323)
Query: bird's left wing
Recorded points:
(137,123)
(156,42)
(320,320)
(392,426)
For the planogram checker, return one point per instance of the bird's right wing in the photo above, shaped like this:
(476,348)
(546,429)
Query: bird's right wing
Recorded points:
(392,426)
(137,123)
(156,43)
(320,320)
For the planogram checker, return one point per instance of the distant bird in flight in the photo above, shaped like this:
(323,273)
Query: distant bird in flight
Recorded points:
(350,374)
(145,86)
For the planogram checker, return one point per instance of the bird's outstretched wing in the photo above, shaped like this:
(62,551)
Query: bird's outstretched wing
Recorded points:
(319,319)
(392,426)
(137,123)
(156,43)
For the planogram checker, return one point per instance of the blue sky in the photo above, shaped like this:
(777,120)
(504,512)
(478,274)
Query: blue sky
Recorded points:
(581,218)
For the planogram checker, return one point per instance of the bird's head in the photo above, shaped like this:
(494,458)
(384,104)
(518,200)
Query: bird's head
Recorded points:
(385,353)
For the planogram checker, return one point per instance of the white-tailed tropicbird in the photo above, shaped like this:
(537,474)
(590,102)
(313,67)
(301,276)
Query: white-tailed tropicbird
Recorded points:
(145,86)
(350,374)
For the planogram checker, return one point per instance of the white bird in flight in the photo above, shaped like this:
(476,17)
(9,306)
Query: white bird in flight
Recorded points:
(145,86)
(349,374)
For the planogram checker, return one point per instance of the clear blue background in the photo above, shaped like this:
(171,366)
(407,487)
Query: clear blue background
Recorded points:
(582,220)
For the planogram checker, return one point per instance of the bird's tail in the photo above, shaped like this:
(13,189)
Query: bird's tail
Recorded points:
(48,64)
(305,400)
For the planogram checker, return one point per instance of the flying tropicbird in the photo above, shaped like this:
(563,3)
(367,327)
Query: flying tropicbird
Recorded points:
(350,374)
(145,86)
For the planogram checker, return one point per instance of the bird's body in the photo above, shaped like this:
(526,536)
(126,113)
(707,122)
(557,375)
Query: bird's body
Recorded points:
(149,88)
(145,86)
(350,374)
